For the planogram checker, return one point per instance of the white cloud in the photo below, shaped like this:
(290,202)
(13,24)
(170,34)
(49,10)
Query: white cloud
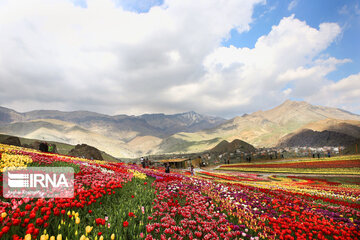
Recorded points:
(293,4)
(290,54)
(344,93)
(103,58)
(107,59)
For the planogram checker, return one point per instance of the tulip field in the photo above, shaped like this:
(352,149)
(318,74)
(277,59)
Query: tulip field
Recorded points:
(125,201)
(335,165)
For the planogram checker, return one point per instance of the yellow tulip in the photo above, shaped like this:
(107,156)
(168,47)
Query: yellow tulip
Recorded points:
(82,237)
(27,236)
(101,238)
(3,215)
(59,237)
(52,238)
(88,229)
(43,237)
(112,236)
(77,220)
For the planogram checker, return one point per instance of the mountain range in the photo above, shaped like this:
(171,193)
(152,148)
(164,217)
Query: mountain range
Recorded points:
(133,136)
(120,135)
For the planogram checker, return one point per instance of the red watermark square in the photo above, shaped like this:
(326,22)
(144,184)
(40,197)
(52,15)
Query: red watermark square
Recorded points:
(39,182)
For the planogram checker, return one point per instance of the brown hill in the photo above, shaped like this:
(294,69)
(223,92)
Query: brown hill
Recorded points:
(86,151)
(327,132)
(11,140)
(225,146)
(310,138)
(353,148)
(349,127)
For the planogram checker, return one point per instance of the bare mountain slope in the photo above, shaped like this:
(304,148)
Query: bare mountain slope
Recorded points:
(349,127)
(121,127)
(182,122)
(120,135)
(266,128)
(327,132)
(310,138)
(133,136)
(8,116)
(60,131)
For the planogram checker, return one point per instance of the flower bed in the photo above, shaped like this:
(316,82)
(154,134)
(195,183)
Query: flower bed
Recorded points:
(338,171)
(120,201)
(305,164)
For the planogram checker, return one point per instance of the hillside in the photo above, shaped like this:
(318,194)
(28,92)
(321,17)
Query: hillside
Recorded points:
(328,132)
(120,135)
(353,148)
(190,132)
(62,148)
(266,128)
(64,132)
(122,127)
(310,138)
(9,116)
(225,146)
(182,122)
(349,127)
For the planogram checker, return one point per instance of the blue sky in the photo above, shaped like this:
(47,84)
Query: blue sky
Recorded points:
(345,13)
(150,56)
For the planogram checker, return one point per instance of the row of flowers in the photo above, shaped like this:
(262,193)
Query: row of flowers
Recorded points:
(100,189)
(312,164)
(121,201)
(323,171)
(308,160)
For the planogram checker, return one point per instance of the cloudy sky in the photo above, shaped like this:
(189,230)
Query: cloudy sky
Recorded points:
(215,57)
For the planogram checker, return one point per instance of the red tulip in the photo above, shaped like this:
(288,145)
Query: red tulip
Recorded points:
(125,223)
(5,229)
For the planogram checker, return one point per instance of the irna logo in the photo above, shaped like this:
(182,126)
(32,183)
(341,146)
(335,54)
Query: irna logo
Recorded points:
(34,180)
(39,182)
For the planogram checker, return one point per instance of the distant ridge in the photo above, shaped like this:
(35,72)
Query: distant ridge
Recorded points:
(266,128)
(189,132)
(119,135)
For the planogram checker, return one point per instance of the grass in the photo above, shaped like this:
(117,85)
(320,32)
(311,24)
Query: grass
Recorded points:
(57,164)
(62,148)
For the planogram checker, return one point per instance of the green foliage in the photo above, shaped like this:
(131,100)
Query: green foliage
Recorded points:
(76,167)
(118,207)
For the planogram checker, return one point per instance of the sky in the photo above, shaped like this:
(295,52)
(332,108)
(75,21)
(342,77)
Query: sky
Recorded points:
(215,57)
